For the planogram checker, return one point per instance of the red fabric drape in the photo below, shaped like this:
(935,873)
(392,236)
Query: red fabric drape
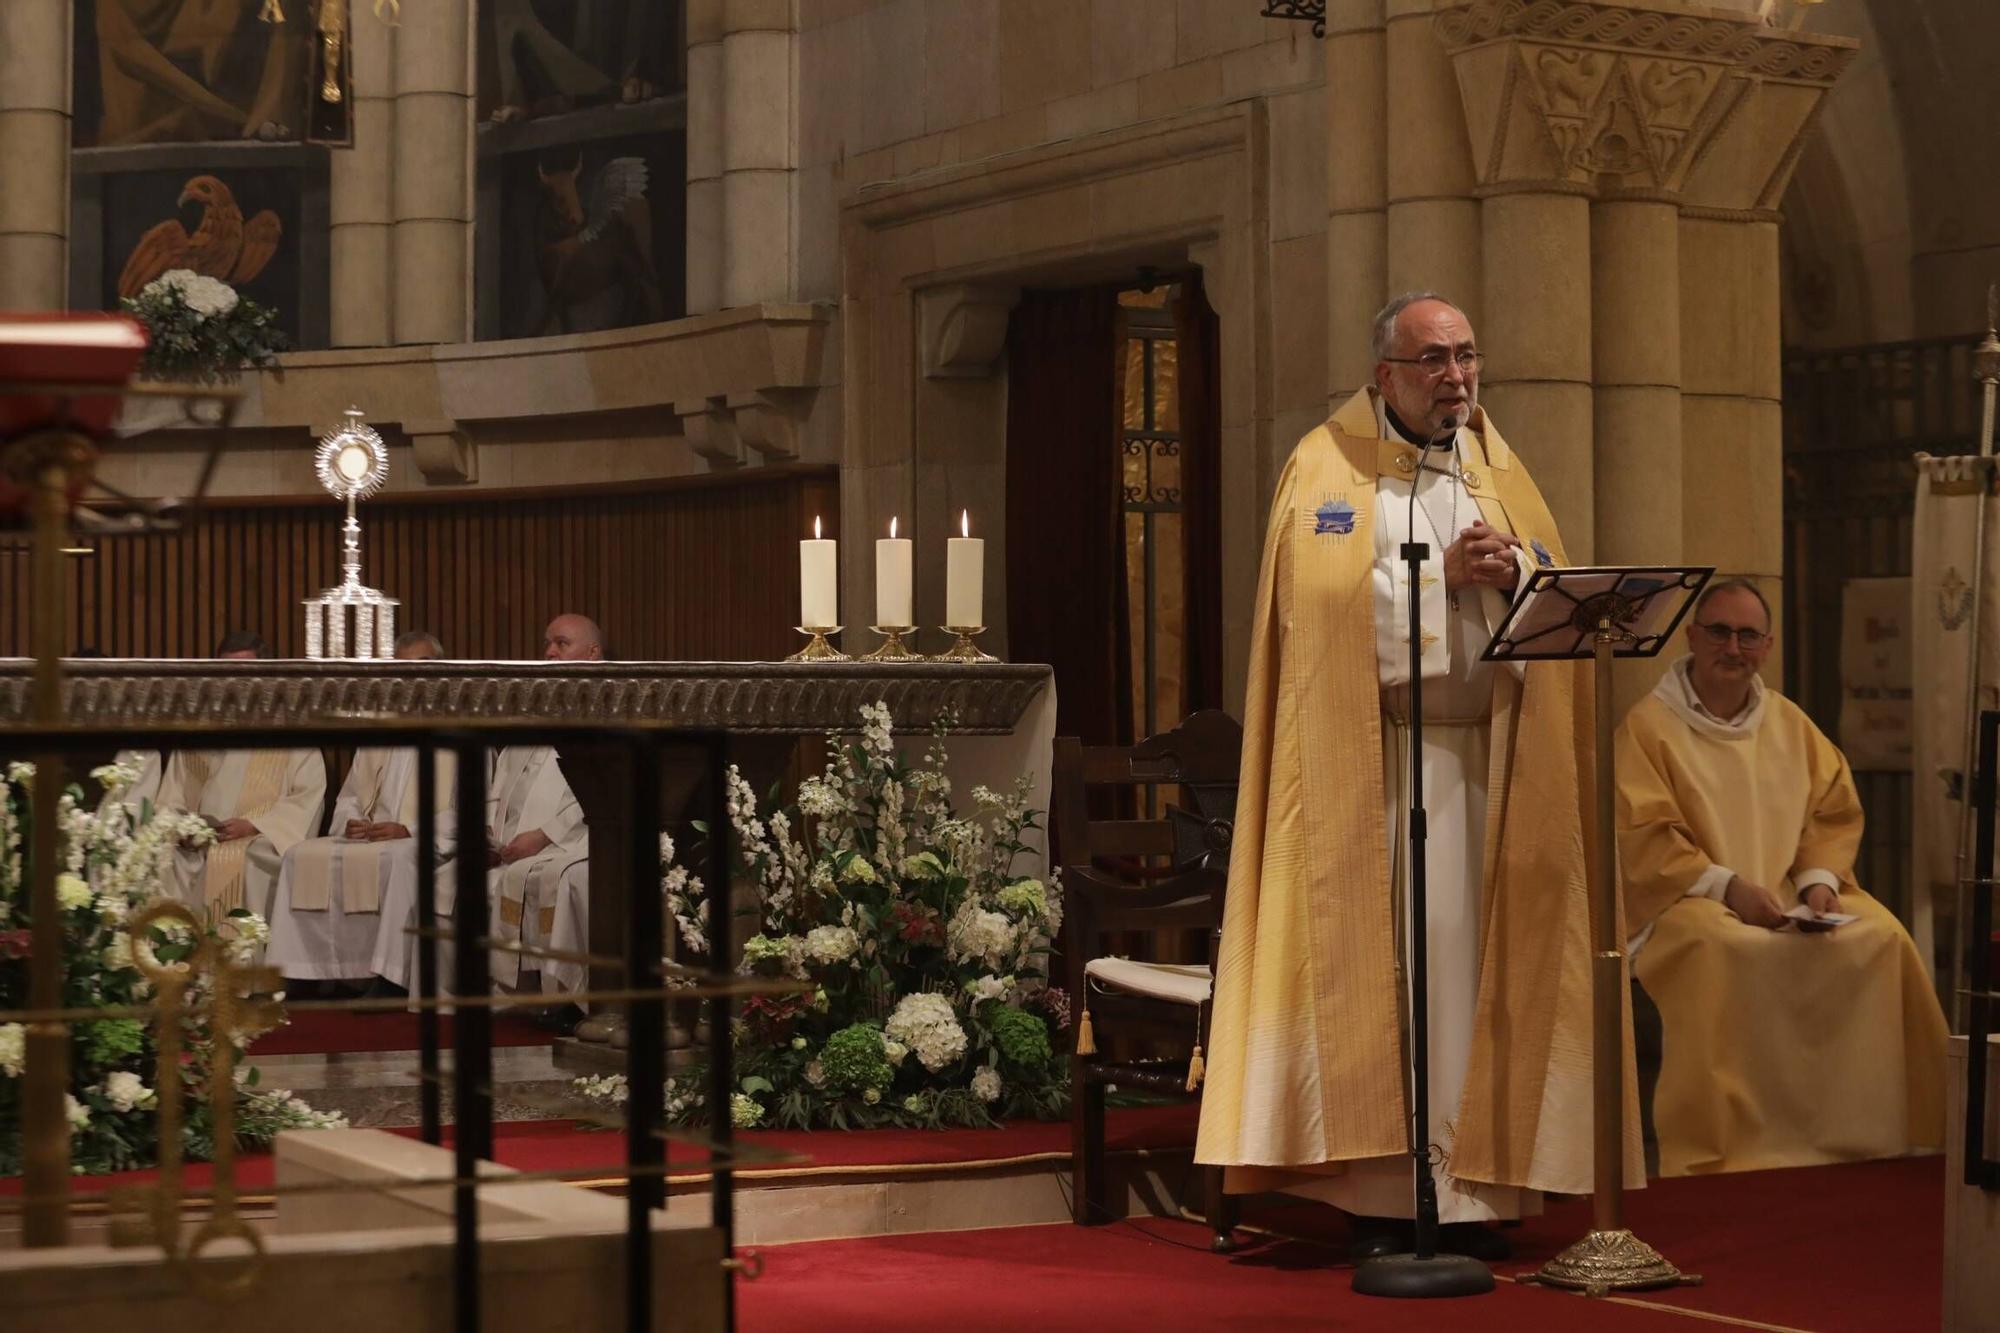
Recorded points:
(1065,540)
(1198,333)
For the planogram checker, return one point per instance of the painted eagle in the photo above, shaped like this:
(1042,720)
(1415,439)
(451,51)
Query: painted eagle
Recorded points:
(223,246)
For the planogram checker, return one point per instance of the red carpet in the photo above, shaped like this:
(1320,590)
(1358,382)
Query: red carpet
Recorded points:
(326,1031)
(1849,1249)
(560,1145)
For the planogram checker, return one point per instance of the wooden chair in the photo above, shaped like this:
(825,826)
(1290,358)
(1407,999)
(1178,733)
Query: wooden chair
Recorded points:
(1125,875)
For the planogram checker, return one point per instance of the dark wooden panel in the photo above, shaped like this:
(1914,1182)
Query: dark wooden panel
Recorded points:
(706,569)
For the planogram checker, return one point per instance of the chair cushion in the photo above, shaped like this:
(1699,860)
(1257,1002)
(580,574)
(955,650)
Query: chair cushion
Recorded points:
(1176,983)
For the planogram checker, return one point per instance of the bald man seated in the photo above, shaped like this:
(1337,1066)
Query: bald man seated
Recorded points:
(1798,1023)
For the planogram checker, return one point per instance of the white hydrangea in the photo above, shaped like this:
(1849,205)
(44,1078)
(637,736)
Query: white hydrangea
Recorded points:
(895,1050)
(118,953)
(744,1110)
(76,1112)
(989,987)
(976,934)
(831,944)
(926,1023)
(986,1084)
(72,892)
(13,1049)
(204,295)
(126,1091)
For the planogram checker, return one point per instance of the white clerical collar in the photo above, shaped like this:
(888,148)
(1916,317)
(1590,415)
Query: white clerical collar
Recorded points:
(1676,690)
(1387,428)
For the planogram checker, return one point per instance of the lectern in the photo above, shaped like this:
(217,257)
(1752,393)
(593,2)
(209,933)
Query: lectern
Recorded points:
(1603,613)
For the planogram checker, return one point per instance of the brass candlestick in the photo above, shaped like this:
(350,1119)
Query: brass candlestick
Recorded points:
(893,648)
(818,649)
(963,649)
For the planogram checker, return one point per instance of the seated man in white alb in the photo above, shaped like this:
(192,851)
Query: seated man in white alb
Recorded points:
(342,900)
(535,830)
(1784,1043)
(261,803)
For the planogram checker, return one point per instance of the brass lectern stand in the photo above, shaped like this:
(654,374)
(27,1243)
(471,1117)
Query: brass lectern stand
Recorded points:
(1603,613)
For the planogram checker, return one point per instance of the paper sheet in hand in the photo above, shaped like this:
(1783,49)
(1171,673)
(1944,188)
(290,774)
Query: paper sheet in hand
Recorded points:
(1557,615)
(1808,920)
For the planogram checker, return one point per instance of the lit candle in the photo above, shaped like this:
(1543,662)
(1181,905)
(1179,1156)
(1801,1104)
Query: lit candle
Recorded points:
(819,581)
(892,580)
(964,581)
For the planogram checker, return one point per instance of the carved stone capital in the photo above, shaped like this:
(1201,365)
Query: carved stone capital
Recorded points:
(444,451)
(964,328)
(1644,97)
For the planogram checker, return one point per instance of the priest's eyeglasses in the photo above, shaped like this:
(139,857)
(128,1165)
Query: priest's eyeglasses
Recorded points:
(1436,361)
(1749,640)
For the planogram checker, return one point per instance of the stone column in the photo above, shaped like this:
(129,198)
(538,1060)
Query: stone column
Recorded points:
(758,153)
(432,244)
(1732,472)
(704,156)
(360,206)
(1536,334)
(1433,236)
(34,143)
(1357,237)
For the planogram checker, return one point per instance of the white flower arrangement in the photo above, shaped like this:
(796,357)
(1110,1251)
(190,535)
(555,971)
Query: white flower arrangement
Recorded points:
(113,858)
(924,946)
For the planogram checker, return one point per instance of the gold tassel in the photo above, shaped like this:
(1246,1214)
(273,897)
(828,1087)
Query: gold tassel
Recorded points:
(1086,1040)
(1197,1070)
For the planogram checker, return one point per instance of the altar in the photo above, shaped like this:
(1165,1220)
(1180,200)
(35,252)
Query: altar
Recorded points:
(1001,717)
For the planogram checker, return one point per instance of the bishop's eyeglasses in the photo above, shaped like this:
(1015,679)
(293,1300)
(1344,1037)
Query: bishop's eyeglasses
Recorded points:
(1749,640)
(1437,360)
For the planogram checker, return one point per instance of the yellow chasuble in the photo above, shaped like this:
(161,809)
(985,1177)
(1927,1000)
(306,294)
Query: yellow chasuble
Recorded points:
(1780,1048)
(1306,1057)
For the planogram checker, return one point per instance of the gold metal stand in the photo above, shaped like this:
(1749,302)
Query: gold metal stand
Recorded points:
(1610,1258)
(963,649)
(893,648)
(818,650)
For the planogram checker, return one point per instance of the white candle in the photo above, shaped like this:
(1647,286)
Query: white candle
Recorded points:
(819,581)
(964,578)
(892,579)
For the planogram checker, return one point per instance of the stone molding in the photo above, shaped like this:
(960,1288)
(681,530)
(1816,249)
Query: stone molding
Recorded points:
(964,328)
(1635,101)
(784,698)
(767,359)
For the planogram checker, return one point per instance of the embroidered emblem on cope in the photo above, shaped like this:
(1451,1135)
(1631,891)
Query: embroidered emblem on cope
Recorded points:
(1542,556)
(1335,516)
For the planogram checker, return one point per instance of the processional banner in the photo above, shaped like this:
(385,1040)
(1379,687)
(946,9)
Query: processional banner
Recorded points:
(1945,584)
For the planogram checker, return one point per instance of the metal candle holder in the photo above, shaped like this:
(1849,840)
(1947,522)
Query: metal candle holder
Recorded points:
(963,649)
(893,648)
(818,649)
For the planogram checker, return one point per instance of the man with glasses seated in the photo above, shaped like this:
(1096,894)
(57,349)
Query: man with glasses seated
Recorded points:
(1799,1024)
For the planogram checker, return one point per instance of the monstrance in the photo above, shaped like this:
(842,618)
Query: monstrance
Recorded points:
(351,463)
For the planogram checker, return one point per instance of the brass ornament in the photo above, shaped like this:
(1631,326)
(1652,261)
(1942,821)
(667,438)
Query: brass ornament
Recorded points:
(150,1214)
(1607,1261)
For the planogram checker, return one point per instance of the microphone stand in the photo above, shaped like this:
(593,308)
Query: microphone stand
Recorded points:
(1425,1272)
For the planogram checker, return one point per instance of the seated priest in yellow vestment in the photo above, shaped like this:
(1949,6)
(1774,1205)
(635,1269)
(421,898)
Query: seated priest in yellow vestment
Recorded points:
(1784,1043)
(260,803)
(1308,1066)
(328,921)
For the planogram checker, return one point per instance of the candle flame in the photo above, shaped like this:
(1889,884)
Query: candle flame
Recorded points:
(965,523)
(815,527)
(892,529)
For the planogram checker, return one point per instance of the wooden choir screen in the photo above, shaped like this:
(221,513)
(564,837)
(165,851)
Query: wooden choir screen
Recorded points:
(689,569)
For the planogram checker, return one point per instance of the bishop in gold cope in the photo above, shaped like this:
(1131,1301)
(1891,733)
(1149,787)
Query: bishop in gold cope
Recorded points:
(1309,1057)
(1785,1043)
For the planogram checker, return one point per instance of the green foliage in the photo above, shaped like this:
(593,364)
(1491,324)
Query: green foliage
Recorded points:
(855,1060)
(187,344)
